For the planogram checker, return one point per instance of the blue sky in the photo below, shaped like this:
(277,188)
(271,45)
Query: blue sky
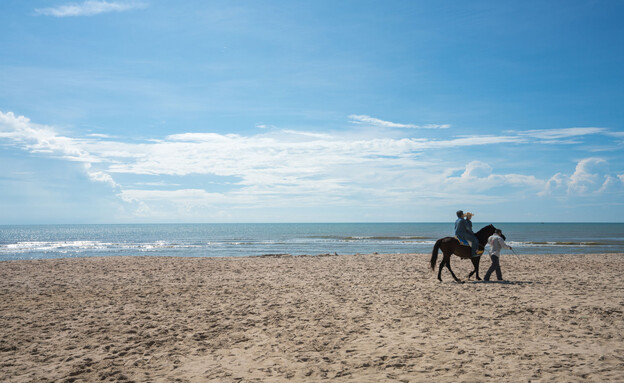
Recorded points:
(311,111)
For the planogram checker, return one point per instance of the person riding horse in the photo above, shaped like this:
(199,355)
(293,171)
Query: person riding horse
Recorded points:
(463,230)
(451,245)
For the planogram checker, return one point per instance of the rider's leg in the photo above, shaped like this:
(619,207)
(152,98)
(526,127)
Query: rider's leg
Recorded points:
(475,246)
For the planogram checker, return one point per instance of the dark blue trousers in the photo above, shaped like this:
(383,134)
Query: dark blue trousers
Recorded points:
(475,243)
(494,267)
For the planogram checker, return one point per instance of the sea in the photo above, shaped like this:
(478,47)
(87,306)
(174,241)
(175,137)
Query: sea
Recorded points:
(240,240)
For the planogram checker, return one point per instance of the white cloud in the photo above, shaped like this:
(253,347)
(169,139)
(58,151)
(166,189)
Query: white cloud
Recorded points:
(555,182)
(99,176)
(307,134)
(367,120)
(610,184)
(265,126)
(89,8)
(265,158)
(477,169)
(479,176)
(287,168)
(181,196)
(471,141)
(555,134)
(200,137)
(586,177)
(590,177)
(41,139)
(268,160)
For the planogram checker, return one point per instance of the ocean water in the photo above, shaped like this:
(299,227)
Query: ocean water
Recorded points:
(235,240)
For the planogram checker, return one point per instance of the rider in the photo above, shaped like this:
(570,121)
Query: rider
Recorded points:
(463,230)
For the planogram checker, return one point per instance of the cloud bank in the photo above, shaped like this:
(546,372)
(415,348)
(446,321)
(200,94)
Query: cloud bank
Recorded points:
(289,168)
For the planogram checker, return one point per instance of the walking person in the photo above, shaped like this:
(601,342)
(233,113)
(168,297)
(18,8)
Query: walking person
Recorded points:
(496,243)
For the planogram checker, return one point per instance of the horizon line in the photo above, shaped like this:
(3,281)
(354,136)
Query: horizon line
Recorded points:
(309,223)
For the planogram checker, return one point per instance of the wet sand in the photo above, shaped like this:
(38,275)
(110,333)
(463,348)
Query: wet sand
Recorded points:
(359,318)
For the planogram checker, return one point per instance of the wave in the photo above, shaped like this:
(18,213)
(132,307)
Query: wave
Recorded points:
(372,237)
(556,243)
(235,247)
(407,237)
(79,246)
(65,247)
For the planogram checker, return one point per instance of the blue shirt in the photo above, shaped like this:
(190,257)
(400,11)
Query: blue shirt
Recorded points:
(463,229)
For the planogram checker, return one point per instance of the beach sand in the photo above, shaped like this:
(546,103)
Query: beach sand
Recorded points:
(360,318)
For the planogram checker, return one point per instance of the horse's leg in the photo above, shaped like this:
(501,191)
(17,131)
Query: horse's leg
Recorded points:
(448,266)
(470,275)
(475,262)
(474,268)
(442,263)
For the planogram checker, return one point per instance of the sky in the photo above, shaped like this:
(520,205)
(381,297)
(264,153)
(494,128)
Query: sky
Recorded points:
(155,111)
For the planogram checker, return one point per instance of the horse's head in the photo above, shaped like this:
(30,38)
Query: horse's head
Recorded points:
(502,235)
(485,233)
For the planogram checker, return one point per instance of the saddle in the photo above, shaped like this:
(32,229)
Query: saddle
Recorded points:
(465,242)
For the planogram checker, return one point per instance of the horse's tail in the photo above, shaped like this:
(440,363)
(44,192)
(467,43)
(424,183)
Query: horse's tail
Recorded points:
(434,253)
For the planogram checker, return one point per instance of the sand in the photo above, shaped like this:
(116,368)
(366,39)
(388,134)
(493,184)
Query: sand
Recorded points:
(356,318)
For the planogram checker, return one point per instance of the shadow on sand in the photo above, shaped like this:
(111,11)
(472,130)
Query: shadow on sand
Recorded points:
(503,282)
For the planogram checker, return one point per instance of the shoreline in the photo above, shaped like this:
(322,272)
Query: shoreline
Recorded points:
(484,256)
(364,318)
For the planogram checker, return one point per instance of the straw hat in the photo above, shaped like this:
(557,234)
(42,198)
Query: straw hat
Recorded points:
(469,215)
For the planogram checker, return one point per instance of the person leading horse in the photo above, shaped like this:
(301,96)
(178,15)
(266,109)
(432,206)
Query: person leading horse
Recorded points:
(452,245)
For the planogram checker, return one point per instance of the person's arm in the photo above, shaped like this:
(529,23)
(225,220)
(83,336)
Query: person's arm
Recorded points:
(503,244)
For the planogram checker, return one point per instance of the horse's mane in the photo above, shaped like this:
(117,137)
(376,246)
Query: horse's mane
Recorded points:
(486,231)
(490,226)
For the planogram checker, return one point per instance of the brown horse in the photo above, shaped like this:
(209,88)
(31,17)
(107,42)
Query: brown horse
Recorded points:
(450,245)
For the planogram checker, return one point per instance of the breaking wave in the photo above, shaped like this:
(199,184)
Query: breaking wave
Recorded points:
(555,243)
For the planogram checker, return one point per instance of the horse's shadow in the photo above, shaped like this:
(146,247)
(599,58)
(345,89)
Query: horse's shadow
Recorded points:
(503,282)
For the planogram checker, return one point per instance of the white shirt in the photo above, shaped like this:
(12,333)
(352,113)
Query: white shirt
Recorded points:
(496,244)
